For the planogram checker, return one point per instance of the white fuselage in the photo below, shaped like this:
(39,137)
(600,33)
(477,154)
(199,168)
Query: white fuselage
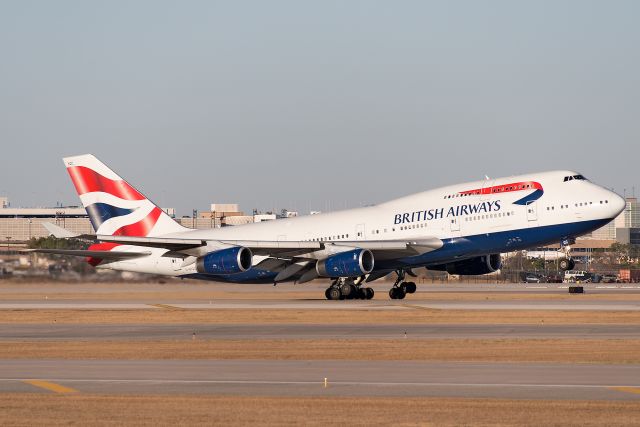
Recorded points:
(481,217)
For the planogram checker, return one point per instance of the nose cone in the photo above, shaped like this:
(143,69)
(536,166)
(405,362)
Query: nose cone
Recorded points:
(617,204)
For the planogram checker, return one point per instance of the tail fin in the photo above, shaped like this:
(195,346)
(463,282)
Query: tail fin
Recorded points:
(116,208)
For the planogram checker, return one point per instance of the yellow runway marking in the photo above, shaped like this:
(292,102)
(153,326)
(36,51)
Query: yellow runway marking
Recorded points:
(57,388)
(417,307)
(168,307)
(634,390)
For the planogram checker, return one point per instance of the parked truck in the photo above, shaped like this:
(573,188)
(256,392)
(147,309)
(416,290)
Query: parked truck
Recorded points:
(628,275)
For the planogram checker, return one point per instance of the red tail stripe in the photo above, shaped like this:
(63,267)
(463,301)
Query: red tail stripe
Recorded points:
(505,188)
(87,181)
(142,227)
(100,247)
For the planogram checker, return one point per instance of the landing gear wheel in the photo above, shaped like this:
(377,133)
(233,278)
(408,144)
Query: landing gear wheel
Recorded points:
(327,293)
(335,294)
(347,290)
(369,292)
(409,287)
(397,293)
(567,264)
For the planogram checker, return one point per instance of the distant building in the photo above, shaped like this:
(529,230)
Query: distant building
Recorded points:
(22,224)
(4,202)
(264,217)
(628,235)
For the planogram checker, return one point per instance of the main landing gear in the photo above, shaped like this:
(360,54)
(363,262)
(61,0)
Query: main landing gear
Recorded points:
(401,288)
(348,288)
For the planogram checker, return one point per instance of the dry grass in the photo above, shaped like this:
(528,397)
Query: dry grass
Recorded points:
(324,316)
(468,350)
(42,409)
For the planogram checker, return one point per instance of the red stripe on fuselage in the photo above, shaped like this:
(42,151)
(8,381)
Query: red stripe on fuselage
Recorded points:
(88,181)
(506,188)
(142,227)
(100,247)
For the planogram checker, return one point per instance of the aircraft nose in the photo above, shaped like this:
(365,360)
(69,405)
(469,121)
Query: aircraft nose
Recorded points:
(616,203)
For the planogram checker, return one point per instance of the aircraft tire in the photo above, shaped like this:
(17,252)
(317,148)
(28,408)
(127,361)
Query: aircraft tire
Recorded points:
(335,294)
(327,293)
(369,292)
(400,293)
(564,264)
(346,290)
(392,293)
(410,287)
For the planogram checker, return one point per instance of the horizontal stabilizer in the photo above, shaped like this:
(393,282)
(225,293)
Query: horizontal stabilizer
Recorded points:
(59,232)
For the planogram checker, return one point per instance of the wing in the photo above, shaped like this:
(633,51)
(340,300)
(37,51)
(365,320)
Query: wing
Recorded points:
(110,255)
(288,258)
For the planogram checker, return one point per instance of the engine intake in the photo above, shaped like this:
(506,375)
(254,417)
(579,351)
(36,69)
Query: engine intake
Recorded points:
(346,264)
(474,266)
(225,261)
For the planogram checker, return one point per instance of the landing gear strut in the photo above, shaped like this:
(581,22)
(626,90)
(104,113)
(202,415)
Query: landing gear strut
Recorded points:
(567,263)
(348,288)
(401,288)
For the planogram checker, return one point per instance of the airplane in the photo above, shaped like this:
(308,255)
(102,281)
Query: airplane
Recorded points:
(461,229)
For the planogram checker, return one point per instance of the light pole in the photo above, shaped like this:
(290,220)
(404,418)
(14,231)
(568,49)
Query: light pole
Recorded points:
(29,228)
(8,239)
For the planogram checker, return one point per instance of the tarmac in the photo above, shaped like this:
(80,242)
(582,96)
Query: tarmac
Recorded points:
(322,304)
(307,378)
(155,332)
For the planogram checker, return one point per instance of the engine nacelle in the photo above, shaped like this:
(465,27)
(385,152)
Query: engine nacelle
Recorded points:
(473,266)
(225,261)
(346,264)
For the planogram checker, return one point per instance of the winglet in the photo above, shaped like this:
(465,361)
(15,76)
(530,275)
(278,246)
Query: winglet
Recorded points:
(59,232)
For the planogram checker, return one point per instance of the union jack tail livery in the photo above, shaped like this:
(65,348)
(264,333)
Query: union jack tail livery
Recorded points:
(115,208)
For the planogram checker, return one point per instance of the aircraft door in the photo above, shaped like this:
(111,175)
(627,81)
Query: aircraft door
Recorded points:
(455,224)
(360,232)
(532,211)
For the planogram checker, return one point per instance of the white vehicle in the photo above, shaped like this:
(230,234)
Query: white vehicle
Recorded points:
(576,275)
(461,229)
(545,255)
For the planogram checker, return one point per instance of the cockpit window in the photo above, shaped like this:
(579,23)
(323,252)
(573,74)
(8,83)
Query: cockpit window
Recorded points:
(572,177)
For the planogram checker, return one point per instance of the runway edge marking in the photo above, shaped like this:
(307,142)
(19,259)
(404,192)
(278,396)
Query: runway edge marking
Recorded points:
(166,307)
(56,388)
(634,390)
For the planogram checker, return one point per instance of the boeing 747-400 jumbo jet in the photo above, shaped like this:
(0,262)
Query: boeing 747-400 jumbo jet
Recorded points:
(461,229)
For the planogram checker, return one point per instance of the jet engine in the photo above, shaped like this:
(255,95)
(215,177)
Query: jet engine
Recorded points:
(346,264)
(225,261)
(470,267)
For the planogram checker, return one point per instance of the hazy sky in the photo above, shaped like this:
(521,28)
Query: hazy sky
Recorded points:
(315,104)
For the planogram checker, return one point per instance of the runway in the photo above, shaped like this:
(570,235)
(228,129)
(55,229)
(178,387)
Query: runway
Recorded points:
(344,378)
(149,317)
(321,304)
(144,332)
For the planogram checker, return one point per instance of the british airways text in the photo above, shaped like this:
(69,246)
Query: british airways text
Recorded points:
(431,214)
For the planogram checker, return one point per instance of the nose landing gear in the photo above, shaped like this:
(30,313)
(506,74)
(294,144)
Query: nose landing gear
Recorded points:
(567,263)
